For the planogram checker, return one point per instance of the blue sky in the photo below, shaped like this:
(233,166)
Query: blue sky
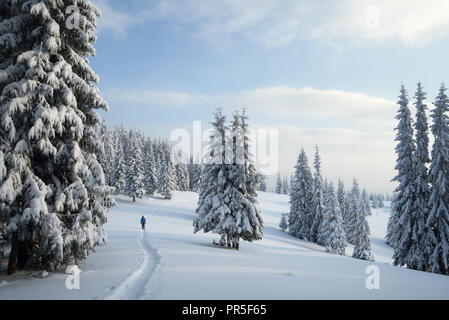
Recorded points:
(322,73)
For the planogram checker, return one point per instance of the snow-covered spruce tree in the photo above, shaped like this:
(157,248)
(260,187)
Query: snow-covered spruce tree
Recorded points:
(438,220)
(198,175)
(283,224)
(292,178)
(227,201)
(4,219)
(157,161)
(50,179)
(355,209)
(402,204)
(159,154)
(184,182)
(365,203)
(325,185)
(134,186)
(157,158)
(415,245)
(169,161)
(285,186)
(166,178)
(150,173)
(362,242)
(380,202)
(318,200)
(347,217)
(244,220)
(195,171)
(191,172)
(161,168)
(118,179)
(212,209)
(301,196)
(126,141)
(165,181)
(342,201)
(107,157)
(332,232)
(181,173)
(278,188)
(253,179)
(116,144)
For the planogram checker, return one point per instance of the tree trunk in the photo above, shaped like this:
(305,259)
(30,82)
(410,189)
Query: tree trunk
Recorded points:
(235,243)
(12,263)
(134,199)
(23,254)
(223,240)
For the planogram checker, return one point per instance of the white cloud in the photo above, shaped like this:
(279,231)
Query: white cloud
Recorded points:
(115,20)
(305,104)
(166,99)
(331,105)
(275,23)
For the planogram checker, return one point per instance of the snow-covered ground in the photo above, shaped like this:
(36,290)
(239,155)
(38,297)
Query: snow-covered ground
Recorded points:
(169,262)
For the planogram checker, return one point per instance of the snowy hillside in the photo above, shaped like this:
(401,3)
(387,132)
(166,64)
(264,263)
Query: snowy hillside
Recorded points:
(169,262)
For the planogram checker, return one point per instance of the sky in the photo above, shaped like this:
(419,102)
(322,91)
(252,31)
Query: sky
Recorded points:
(323,73)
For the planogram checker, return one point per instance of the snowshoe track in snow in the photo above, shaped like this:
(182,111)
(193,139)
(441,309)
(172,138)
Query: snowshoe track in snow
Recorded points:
(133,287)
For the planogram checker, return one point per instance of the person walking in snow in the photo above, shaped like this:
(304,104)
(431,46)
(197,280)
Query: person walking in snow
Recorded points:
(142,222)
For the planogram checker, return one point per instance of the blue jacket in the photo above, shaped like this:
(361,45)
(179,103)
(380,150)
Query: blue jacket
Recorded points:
(142,221)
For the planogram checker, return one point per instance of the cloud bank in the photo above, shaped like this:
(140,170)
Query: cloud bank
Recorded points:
(273,23)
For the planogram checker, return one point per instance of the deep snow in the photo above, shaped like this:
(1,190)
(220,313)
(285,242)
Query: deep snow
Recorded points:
(169,262)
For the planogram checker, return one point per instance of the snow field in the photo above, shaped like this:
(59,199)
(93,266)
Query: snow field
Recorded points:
(170,262)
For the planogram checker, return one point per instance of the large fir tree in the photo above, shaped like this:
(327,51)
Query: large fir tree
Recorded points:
(438,220)
(318,200)
(150,174)
(343,202)
(300,218)
(403,201)
(332,233)
(355,209)
(166,178)
(50,180)
(134,169)
(278,188)
(244,220)
(362,242)
(118,179)
(414,248)
(212,209)
(227,202)
(107,157)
